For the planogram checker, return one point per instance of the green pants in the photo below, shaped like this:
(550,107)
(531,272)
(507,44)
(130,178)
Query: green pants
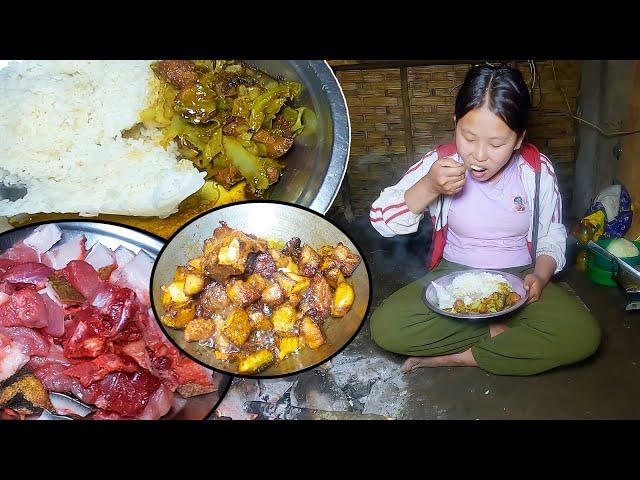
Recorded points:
(554,331)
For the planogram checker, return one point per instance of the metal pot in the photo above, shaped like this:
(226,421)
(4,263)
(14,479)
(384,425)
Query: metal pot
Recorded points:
(270,221)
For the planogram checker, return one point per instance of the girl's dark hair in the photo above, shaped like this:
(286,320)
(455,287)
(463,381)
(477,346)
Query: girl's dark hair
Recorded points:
(502,89)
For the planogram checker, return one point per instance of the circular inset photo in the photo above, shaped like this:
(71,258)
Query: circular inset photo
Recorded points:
(261,289)
(78,337)
(155,143)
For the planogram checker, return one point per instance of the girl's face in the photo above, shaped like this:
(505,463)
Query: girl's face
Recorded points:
(485,143)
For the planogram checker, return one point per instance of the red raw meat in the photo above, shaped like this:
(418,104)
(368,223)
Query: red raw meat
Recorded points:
(25,308)
(159,404)
(138,351)
(121,309)
(30,341)
(96,370)
(21,253)
(6,265)
(55,314)
(189,371)
(85,334)
(53,377)
(82,277)
(126,394)
(29,272)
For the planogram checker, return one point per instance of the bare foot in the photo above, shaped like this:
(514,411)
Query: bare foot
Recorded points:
(497,329)
(454,360)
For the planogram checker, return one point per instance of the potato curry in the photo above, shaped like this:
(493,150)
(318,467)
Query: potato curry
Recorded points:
(505,297)
(255,301)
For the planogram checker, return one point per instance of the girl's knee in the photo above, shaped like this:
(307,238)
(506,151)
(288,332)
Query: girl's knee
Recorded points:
(590,337)
(380,326)
(583,338)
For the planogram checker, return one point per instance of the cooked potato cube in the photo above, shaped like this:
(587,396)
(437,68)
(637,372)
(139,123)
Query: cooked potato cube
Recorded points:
(257,281)
(242,293)
(256,361)
(259,321)
(343,299)
(459,306)
(287,345)
(311,333)
(294,299)
(273,295)
(179,317)
(197,264)
(512,299)
(230,253)
(325,251)
(284,318)
(279,258)
(237,327)
(174,293)
(193,283)
(302,285)
(199,329)
(291,266)
(287,283)
(181,274)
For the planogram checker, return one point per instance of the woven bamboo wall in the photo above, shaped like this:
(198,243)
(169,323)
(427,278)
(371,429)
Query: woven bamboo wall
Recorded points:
(394,122)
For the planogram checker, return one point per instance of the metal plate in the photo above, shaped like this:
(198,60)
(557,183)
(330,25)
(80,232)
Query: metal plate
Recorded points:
(430,296)
(271,221)
(112,236)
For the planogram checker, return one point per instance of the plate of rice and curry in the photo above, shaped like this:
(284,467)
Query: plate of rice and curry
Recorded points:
(475,294)
(153,144)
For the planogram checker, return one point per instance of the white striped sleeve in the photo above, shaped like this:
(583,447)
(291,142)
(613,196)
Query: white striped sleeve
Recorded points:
(389,214)
(552,236)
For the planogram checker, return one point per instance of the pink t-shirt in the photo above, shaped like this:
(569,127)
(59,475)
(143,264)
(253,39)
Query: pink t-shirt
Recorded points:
(488,223)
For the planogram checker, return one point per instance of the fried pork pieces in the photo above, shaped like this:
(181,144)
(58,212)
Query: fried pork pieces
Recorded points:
(255,304)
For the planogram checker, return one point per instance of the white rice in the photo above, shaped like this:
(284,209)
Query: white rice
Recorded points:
(470,287)
(61,125)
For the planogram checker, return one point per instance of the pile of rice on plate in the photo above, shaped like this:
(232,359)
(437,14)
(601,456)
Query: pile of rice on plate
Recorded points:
(470,287)
(61,137)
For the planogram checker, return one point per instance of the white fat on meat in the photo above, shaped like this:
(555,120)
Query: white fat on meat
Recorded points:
(71,249)
(50,291)
(100,256)
(123,256)
(135,275)
(55,314)
(12,357)
(43,238)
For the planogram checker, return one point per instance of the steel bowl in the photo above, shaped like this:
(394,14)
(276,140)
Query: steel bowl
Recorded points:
(112,236)
(270,221)
(316,164)
(430,295)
